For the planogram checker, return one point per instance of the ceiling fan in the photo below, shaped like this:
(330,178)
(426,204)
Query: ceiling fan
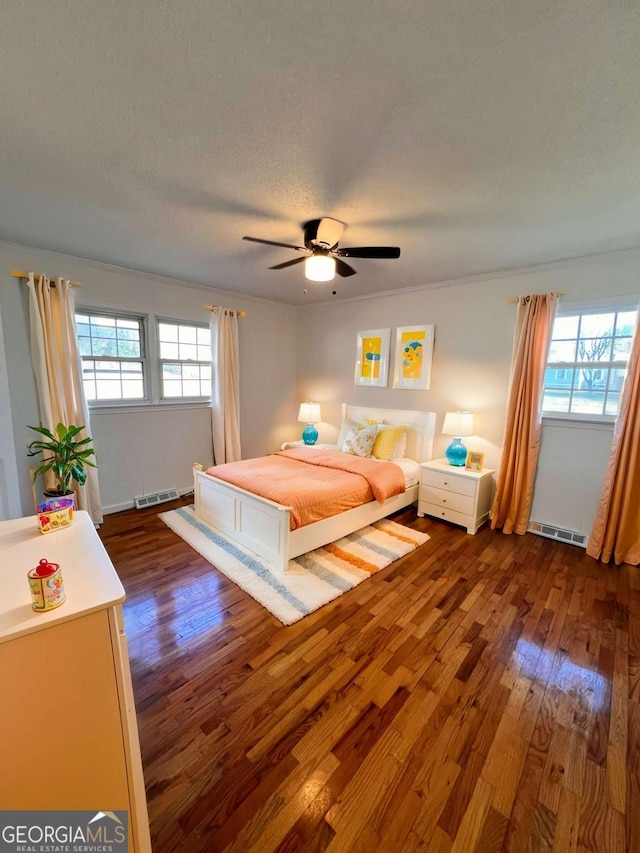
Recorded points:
(322,257)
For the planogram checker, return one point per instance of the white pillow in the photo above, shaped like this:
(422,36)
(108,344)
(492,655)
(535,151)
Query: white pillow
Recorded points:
(359,441)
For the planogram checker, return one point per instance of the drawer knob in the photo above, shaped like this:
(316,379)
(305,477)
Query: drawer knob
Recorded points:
(446,482)
(444,500)
(443,513)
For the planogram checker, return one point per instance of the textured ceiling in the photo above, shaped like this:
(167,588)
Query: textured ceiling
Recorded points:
(477,135)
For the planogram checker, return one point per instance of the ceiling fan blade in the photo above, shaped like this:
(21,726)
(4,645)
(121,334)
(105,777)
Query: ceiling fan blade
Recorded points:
(273,243)
(288,264)
(343,269)
(369,252)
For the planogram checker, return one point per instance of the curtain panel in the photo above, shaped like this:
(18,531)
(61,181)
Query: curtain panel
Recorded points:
(521,444)
(225,385)
(57,367)
(616,529)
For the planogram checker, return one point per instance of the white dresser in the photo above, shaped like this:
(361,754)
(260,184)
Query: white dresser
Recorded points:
(68,730)
(455,494)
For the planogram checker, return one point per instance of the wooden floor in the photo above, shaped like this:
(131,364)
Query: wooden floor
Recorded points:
(483,693)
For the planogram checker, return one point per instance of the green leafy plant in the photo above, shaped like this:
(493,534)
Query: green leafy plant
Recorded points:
(64,455)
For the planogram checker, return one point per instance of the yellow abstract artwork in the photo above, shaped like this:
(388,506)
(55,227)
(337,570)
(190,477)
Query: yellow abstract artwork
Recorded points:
(412,354)
(370,357)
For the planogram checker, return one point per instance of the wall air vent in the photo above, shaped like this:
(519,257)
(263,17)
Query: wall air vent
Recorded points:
(558,533)
(157,498)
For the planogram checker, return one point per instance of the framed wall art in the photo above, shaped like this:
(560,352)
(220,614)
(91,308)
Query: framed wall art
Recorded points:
(413,357)
(372,358)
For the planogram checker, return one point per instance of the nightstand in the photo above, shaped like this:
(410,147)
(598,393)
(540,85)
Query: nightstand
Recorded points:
(288,445)
(455,494)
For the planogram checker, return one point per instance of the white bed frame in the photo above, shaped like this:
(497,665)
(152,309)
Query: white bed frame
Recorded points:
(262,525)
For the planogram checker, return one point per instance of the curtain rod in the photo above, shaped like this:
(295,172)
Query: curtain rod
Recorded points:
(515,298)
(215,308)
(20,274)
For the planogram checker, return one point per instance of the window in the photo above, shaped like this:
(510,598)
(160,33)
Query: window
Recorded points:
(113,357)
(185,359)
(587,363)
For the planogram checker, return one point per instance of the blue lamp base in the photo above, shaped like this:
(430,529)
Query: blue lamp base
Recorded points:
(456,453)
(310,434)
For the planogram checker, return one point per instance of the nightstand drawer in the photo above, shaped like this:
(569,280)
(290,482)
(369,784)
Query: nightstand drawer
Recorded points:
(449,482)
(446,514)
(447,500)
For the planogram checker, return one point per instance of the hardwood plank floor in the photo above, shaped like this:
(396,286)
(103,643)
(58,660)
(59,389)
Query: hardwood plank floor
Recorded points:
(481,694)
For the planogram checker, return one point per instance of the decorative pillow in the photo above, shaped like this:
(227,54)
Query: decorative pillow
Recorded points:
(345,428)
(359,442)
(387,443)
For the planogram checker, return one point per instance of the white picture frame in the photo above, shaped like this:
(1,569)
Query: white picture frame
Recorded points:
(372,358)
(413,357)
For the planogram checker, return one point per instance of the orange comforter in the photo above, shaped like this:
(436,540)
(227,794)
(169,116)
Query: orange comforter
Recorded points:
(316,484)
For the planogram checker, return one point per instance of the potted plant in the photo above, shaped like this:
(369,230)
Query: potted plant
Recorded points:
(64,454)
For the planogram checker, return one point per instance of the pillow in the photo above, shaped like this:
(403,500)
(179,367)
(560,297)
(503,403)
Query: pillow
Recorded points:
(359,442)
(388,441)
(345,428)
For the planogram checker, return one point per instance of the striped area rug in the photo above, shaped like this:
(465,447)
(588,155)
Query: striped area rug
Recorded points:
(313,579)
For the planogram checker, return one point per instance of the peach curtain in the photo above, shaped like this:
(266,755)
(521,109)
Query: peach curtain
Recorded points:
(58,370)
(521,444)
(616,530)
(225,386)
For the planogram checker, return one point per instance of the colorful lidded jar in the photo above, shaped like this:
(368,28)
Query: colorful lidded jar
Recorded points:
(47,588)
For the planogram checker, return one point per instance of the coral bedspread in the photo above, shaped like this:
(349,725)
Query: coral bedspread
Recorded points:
(316,484)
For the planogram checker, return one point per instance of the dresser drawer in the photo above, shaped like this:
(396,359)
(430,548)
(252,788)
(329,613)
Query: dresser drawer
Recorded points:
(447,514)
(449,482)
(447,500)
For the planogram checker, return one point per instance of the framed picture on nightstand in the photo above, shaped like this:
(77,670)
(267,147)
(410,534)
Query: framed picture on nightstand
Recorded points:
(474,461)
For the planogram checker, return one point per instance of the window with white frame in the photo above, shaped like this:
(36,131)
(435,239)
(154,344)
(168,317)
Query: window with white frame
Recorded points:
(587,363)
(112,347)
(185,359)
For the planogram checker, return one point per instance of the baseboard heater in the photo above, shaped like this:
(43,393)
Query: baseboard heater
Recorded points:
(558,533)
(157,498)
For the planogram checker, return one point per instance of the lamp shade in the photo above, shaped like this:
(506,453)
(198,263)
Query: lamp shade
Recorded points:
(458,424)
(310,413)
(320,268)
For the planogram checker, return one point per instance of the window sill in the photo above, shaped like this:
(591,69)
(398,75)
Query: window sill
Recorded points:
(137,408)
(585,422)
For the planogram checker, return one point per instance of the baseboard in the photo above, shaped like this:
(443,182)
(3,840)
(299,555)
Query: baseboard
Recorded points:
(109,510)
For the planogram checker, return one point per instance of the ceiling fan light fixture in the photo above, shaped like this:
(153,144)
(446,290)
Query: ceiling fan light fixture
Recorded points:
(320,268)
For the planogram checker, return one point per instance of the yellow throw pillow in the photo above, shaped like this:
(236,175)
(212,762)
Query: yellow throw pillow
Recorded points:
(387,441)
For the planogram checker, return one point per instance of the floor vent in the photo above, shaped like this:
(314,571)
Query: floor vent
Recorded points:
(157,498)
(558,533)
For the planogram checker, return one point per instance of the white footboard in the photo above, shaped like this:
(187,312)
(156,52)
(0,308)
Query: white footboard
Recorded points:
(262,525)
(256,523)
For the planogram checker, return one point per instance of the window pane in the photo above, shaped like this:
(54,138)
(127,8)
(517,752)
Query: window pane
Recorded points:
(171,371)
(172,389)
(562,351)
(613,403)
(626,323)
(188,351)
(565,327)
(129,349)
(191,387)
(595,349)
(596,325)
(555,400)
(167,332)
(621,349)
(169,350)
(204,353)
(188,334)
(204,336)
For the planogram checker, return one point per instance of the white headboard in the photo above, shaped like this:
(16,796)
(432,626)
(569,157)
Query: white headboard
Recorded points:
(420,432)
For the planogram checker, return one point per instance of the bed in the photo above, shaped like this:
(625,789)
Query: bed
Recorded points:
(263,526)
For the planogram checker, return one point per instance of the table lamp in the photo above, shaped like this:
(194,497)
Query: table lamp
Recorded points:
(309,414)
(457,424)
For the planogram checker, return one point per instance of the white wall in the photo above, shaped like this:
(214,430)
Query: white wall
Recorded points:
(472,355)
(145,451)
